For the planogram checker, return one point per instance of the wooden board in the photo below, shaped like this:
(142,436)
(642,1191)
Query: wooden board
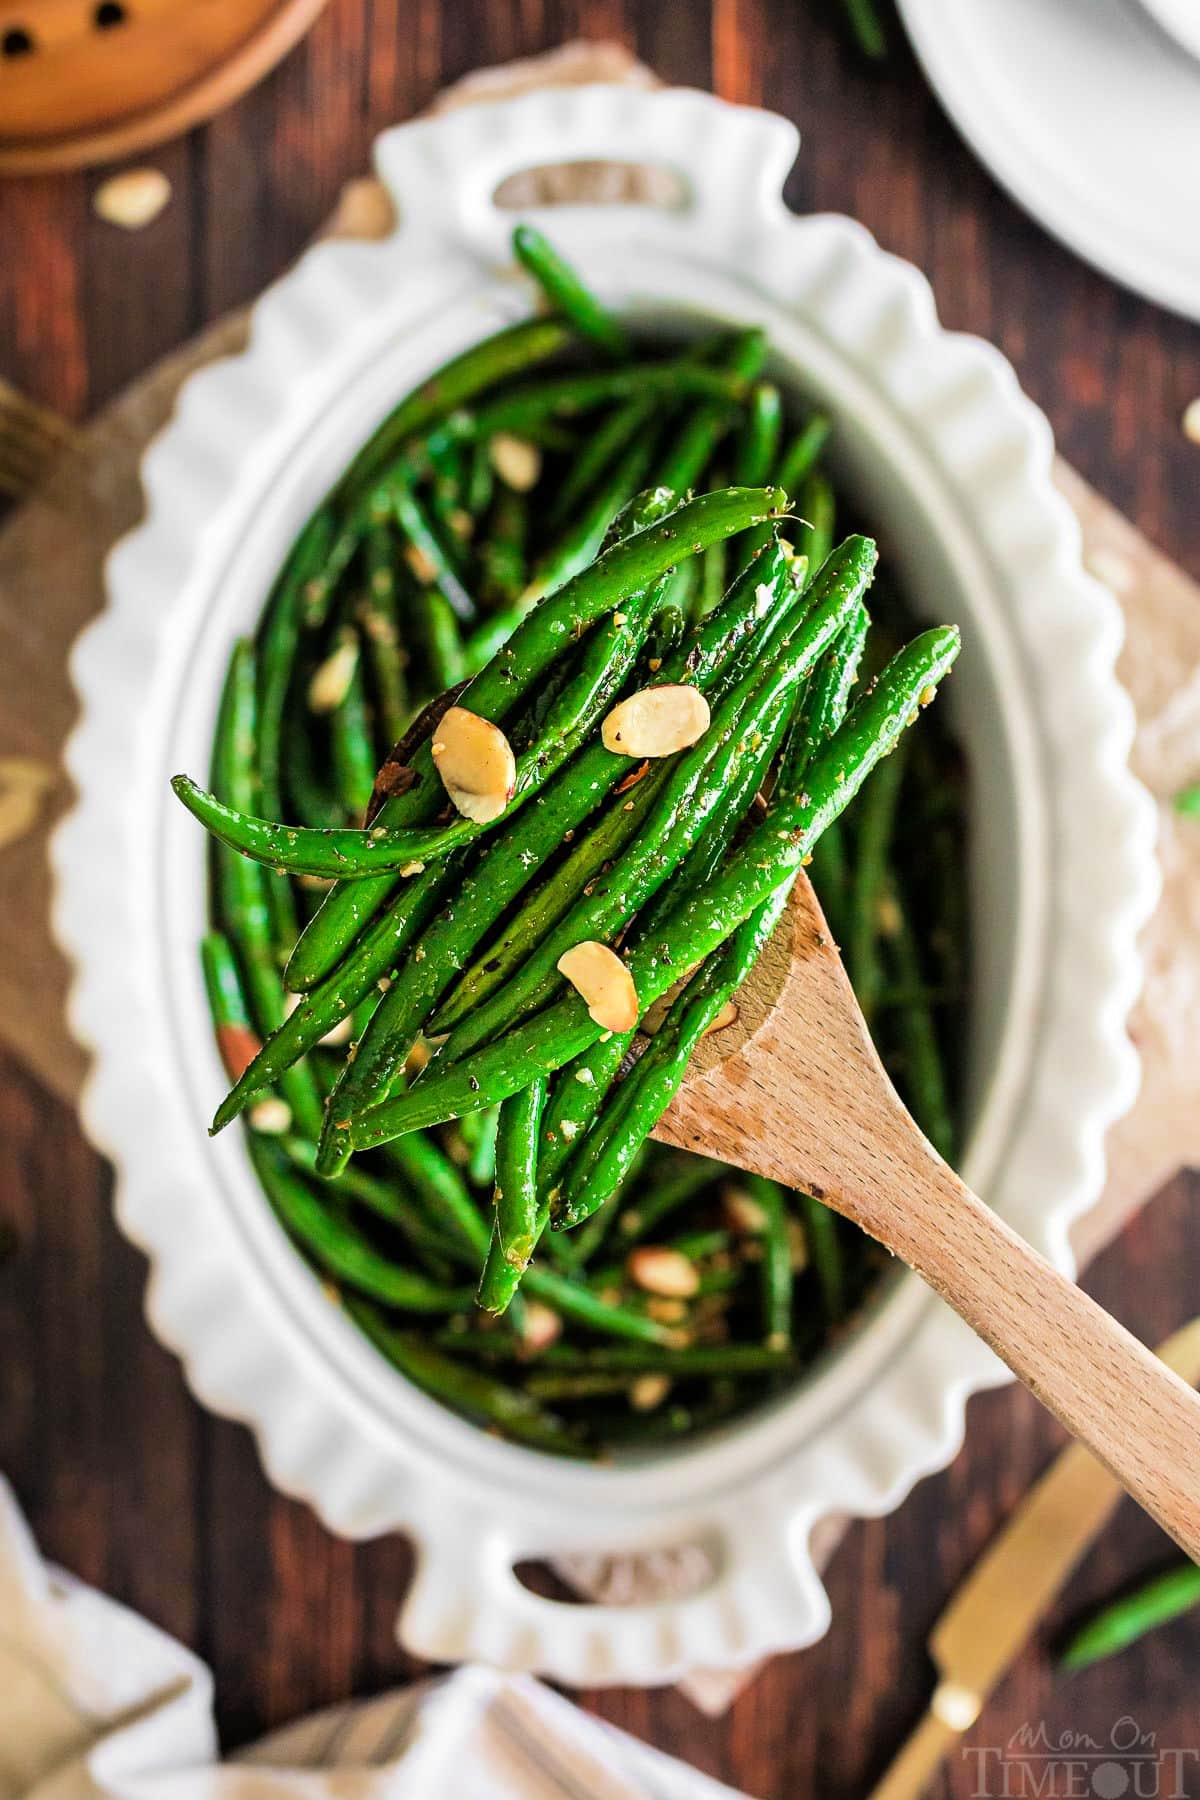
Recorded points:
(85,81)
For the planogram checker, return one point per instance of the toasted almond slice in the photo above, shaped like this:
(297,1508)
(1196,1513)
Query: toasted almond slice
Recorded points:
(541,1327)
(604,981)
(727,1016)
(742,1211)
(272,1116)
(132,199)
(516,461)
(648,1391)
(331,681)
(476,764)
(657,1269)
(1191,420)
(656,721)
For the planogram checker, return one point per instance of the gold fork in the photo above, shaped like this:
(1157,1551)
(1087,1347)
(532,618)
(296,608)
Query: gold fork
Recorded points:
(32,438)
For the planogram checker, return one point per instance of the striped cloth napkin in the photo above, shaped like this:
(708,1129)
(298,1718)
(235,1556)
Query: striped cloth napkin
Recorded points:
(97,1704)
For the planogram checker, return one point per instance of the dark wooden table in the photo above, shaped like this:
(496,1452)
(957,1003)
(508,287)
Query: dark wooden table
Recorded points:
(125,1479)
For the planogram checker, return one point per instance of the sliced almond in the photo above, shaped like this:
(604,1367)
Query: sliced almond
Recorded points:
(649,1391)
(476,764)
(727,1016)
(271,1116)
(542,1326)
(421,563)
(516,461)
(604,981)
(132,199)
(331,680)
(657,1269)
(656,721)
(743,1211)
(1191,420)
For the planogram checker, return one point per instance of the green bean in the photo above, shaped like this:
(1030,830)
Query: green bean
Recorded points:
(864,21)
(443,1191)
(683,1360)
(504,552)
(1124,1621)
(627,569)
(666,1195)
(606,662)
(354,758)
(482,1164)
(581,542)
(437,635)
(708,422)
(822,1234)
(513,1411)
(237,1040)
(715,573)
(428,559)
(242,901)
(596,456)
(377,616)
(565,291)
(773,851)
(800,457)
(758,441)
(373,958)
(776,1263)
(815,504)
(516,1197)
(576,1302)
(604,1158)
(876,823)
(616,827)
(381,1198)
(1187,801)
(565,396)
(338,1247)
(489,638)
(741,729)
(827,700)
(925,1076)
(507,353)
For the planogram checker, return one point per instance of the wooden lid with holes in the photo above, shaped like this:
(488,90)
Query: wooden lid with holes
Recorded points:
(85,81)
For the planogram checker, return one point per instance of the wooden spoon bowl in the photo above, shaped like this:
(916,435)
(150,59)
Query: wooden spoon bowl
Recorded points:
(795,1091)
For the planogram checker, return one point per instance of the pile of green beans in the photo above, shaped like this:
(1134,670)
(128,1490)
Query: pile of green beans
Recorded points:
(556,520)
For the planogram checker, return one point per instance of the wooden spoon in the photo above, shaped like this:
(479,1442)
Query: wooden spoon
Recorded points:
(794,1090)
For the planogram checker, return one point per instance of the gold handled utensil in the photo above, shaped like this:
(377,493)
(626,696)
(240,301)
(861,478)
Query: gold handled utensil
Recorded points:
(998,1606)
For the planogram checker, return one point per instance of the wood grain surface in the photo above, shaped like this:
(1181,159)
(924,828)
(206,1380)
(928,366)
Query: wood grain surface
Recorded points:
(805,1100)
(124,1478)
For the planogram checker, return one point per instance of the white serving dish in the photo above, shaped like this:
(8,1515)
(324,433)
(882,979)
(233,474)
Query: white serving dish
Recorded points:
(955,464)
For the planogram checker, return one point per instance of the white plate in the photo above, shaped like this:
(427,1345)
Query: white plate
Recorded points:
(1090,116)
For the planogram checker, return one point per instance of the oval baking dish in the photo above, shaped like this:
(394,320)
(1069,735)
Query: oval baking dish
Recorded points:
(935,442)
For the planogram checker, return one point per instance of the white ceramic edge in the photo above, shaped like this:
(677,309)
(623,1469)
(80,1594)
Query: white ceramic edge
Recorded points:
(1180,19)
(246,1355)
(1066,214)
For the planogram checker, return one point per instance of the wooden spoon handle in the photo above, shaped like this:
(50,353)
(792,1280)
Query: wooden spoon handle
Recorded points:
(1109,1391)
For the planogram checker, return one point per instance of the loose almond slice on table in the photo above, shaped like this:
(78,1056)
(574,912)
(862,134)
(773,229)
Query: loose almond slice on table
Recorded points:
(604,981)
(656,721)
(476,764)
